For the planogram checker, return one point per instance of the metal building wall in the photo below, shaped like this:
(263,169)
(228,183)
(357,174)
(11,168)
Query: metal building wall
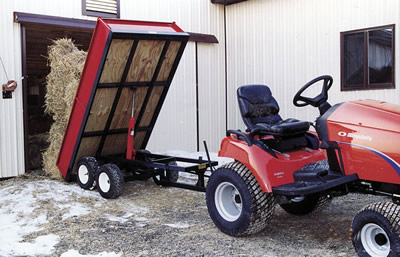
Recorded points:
(11,125)
(176,128)
(286,43)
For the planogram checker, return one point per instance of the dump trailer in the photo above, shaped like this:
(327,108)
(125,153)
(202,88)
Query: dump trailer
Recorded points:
(128,71)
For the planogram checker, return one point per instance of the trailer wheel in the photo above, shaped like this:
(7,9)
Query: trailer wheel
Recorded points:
(86,173)
(168,175)
(302,205)
(235,201)
(172,175)
(110,181)
(376,230)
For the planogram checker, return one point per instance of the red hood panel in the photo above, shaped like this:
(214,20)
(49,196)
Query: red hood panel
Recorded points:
(368,113)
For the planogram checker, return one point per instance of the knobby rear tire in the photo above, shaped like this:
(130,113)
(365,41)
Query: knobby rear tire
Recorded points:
(254,207)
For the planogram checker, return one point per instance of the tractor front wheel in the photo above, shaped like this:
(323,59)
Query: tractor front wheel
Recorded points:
(376,230)
(110,181)
(235,201)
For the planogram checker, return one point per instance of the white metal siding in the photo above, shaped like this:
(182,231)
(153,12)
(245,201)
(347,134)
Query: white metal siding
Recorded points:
(175,128)
(211,72)
(11,116)
(286,43)
(211,95)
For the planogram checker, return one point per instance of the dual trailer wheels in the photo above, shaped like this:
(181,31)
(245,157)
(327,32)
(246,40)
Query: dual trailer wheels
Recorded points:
(108,178)
(376,230)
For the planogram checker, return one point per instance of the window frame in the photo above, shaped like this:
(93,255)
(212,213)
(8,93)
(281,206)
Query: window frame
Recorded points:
(366,84)
(100,14)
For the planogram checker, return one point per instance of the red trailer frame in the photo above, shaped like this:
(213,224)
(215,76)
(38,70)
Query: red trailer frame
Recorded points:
(125,58)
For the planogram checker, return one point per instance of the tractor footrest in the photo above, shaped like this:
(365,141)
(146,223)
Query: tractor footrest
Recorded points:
(305,187)
(309,175)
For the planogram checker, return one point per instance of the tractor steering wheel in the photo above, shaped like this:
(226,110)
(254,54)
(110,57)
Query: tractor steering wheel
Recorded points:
(301,101)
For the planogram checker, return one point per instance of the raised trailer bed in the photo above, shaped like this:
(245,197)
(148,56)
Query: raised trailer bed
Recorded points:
(128,71)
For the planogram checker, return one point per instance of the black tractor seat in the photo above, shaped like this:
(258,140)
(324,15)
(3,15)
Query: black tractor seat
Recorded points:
(289,127)
(259,111)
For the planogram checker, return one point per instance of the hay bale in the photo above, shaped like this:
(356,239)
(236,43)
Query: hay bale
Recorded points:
(66,63)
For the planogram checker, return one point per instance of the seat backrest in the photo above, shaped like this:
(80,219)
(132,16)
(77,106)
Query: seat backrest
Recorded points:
(257,105)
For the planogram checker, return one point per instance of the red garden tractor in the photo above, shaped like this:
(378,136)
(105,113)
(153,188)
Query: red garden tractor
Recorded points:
(280,161)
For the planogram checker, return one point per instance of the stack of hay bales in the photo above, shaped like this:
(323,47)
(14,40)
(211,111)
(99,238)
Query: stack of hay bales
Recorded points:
(66,63)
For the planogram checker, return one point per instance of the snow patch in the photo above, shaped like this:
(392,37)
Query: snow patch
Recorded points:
(42,245)
(141,219)
(17,220)
(75,253)
(77,209)
(121,219)
(178,225)
(60,192)
(135,209)
(21,215)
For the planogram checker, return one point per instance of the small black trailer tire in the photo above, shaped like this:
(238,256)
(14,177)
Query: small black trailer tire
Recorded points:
(110,181)
(169,175)
(87,172)
(235,201)
(303,205)
(172,175)
(376,230)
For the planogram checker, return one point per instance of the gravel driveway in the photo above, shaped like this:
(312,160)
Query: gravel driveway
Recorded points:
(61,219)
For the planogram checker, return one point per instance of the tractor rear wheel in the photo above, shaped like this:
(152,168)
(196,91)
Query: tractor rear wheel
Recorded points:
(302,205)
(235,201)
(110,181)
(87,172)
(376,230)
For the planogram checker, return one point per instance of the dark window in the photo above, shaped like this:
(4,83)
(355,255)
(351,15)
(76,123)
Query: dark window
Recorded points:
(367,58)
(101,8)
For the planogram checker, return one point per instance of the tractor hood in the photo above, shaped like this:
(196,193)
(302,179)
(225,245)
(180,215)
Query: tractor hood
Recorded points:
(367,133)
(368,113)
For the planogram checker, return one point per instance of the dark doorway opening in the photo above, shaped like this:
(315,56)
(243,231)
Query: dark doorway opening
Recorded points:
(36,39)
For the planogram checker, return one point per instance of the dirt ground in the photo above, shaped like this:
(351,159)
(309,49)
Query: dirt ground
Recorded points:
(148,220)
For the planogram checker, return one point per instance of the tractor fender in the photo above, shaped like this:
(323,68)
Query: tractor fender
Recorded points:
(269,170)
(253,157)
